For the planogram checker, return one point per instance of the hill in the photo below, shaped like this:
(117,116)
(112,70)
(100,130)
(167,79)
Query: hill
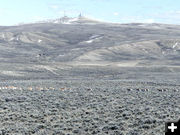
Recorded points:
(49,47)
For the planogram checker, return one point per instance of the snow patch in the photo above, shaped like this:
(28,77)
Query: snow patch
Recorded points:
(145,50)
(175,45)
(93,38)
(66,23)
(11,39)
(61,55)
(39,41)
(64,20)
(12,73)
(89,41)
(56,21)
(73,20)
(75,49)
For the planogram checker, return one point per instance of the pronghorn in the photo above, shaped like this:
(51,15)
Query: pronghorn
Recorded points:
(45,88)
(39,88)
(62,89)
(30,88)
(51,88)
(14,88)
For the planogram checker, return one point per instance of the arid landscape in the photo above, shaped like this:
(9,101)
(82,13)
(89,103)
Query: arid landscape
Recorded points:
(81,76)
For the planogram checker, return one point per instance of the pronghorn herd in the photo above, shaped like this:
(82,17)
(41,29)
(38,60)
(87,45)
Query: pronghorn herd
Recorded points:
(8,87)
(32,88)
(145,89)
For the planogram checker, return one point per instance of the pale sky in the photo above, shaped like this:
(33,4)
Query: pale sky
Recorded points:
(123,11)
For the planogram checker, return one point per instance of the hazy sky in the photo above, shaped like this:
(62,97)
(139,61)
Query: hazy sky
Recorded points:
(123,11)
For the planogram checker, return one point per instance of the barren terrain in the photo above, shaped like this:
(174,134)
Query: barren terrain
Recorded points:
(88,77)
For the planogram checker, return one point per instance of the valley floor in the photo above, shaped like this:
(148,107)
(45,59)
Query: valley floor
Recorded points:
(88,107)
